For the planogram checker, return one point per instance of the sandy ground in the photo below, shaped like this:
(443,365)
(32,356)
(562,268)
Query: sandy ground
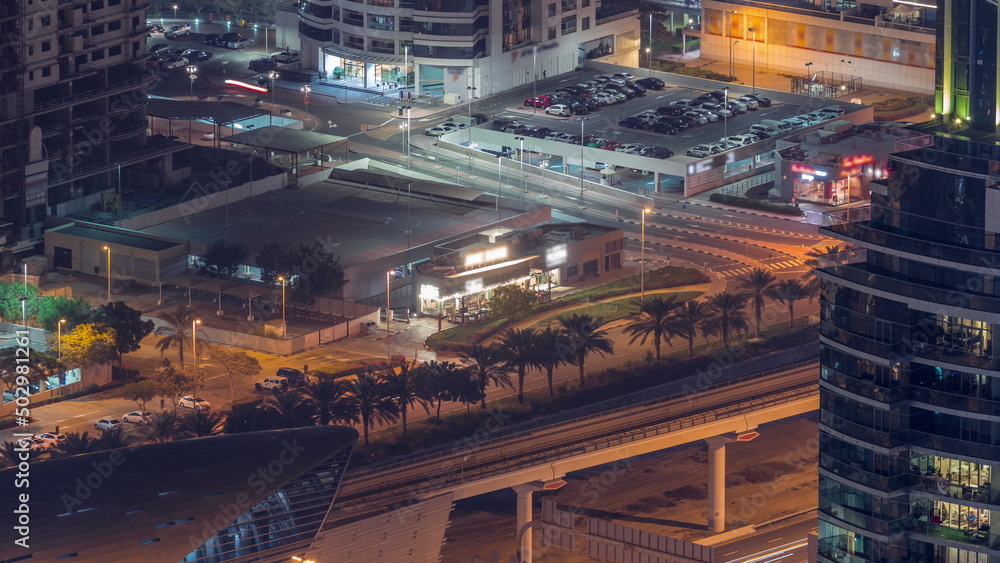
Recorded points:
(782,461)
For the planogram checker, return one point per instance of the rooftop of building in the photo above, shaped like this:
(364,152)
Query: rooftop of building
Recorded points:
(904,17)
(827,146)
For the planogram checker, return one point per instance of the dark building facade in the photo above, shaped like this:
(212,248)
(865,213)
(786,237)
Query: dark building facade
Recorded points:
(258,496)
(966,70)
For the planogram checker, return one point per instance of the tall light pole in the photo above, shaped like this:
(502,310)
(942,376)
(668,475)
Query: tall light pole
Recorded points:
(472,148)
(175,11)
(649,48)
(272,76)
(194,344)
(305,96)
(805,83)
(753,64)
(107,248)
(534,79)
(408,133)
(191,70)
(520,158)
(388,316)
(472,92)
(61,323)
(499,186)
(731,45)
(725,113)
(543,166)
(284,325)
(642,259)
(583,120)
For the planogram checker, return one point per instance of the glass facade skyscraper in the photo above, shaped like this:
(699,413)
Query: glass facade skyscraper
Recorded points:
(966,57)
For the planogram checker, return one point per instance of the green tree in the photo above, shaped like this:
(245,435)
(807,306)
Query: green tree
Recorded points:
(312,270)
(142,392)
(788,292)
(163,426)
(88,345)
(583,337)
(438,381)
(252,416)
(520,348)
(49,310)
(223,260)
(180,335)
(42,366)
(654,315)
(177,380)
(11,295)
(756,287)
(402,386)
(76,443)
(551,343)
(128,325)
(487,365)
(727,314)
(690,319)
(9,456)
(239,367)
(331,400)
(373,402)
(202,423)
(512,302)
(112,439)
(294,410)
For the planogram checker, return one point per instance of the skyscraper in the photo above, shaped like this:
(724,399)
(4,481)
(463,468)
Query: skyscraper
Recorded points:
(910,385)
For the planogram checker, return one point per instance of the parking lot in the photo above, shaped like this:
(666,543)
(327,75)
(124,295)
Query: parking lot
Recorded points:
(604,122)
(230,63)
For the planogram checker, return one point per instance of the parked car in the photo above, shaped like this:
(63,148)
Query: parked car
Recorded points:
(652,83)
(241,43)
(762,101)
(538,102)
(52,439)
(742,140)
(225,38)
(623,75)
(795,122)
(295,377)
(201,56)
(108,424)
(262,64)
(153,27)
(196,403)
(657,152)
(589,103)
(664,128)
(838,110)
(618,96)
(137,417)
(572,90)
(697,117)
(609,145)
(537,132)
(629,148)
(640,90)
(717,110)
(33,443)
(504,124)
(157,47)
(439,130)
(286,57)
(212,39)
(455,125)
(701,151)
(271,384)
(750,103)
(601,78)
(173,62)
(561,110)
(480,118)
(634,123)
(719,95)
(618,88)
(737,105)
(605,98)
(177,30)
(680,123)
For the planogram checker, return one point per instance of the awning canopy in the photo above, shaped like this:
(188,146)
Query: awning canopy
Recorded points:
(186,280)
(219,113)
(284,139)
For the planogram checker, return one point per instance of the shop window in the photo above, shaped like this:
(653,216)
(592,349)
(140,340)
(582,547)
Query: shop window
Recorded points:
(572,271)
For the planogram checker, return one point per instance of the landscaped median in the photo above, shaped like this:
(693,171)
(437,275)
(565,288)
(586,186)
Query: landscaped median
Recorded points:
(599,298)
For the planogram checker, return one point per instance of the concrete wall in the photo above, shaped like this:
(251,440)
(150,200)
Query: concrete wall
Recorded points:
(89,257)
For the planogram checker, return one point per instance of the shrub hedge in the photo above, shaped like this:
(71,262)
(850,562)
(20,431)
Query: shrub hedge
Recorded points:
(757,204)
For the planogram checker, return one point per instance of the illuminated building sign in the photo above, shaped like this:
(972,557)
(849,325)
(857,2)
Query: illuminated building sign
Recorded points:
(854,165)
(485,256)
(556,255)
(802,169)
(474,286)
(429,292)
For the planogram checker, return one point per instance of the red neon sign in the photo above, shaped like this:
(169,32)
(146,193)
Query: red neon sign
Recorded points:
(802,169)
(232,82)
(856,160)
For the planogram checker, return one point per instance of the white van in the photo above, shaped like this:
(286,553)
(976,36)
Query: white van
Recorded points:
(779,125)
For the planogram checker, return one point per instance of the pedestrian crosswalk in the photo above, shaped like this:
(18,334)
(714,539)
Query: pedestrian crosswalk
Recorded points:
(783,265)
(738,270)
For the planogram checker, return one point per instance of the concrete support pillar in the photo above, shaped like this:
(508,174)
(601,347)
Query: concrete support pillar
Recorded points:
(656,181)
(717,484)
(524,515)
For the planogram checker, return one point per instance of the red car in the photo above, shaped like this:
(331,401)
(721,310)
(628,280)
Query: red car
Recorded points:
(610,145)
(539,102)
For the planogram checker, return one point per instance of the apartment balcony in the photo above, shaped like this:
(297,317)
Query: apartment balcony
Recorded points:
(857,474)
(959,537)
(127,129)
(118,84)
(856,227)
(53,129)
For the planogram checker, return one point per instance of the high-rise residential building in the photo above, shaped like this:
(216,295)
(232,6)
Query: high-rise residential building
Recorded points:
(910,382)
(462,48)
(73,127)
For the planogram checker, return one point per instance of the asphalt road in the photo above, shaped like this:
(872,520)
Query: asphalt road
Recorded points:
(785,543)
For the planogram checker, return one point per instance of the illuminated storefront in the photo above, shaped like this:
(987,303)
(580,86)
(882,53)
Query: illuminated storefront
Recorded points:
(364,73)
(835,180)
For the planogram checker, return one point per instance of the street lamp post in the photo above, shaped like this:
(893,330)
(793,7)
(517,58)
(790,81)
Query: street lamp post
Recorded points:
(284,324)
(175,11)
(61,323)
(472,91)
(194,344)
(107,248)
(520,158)
(472,148)
(649,47)
(731,45)
(388,316)
(499,186)
(191,70)
(805,83)
(409,132)
(642,259)
(753,64)
(543,166)
(583,120)
(305,96)
(272,76)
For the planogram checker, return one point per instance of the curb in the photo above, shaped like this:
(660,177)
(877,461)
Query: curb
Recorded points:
(709,235)
(744,211)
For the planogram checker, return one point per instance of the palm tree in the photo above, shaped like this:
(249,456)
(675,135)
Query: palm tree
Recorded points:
(552,344)
(584,335)
(112,439)
(520,346)
(727,314)
(690,319)
(252,416)
(373,402)
(331,400)
(788,292)
(76,443)
(653,320)
(163,426)
(9,455)
(755,288)
(202,423)
(487,364)
(179,323)
(438,382)
(812,281)
(402,386)
(293,410)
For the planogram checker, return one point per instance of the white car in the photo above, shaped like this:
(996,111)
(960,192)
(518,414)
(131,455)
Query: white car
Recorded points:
(51,439)
(751,103)
(286,57)
(196,403)
(624,75)
(699,118)
(741,106)
(454,125)
(810,118)
(109,424)
(174,62)
(701,151)
(137,417)
(561,110)
(439,130)
(742,140)
(606,99)
(630,148)
(34,443)
(240,43)
(711,117)
(177,30)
